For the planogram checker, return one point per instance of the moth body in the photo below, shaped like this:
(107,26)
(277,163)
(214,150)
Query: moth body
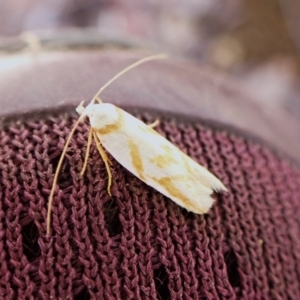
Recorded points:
(152,158)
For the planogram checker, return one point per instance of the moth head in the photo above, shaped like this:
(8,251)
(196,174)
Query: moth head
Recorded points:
(100,115)
(80,110)
(85,111)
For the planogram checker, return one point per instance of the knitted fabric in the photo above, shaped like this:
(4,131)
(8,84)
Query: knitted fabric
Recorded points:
(138,244)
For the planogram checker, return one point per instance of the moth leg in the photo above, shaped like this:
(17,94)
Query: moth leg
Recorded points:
(154,124)
(87,153)
(105,160)
(58,168)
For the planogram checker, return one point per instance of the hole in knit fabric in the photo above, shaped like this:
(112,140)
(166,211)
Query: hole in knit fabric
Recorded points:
(111,215)
(65,180)
(232,268)
(161,284)
(253,230)
(30,237)
(83,295)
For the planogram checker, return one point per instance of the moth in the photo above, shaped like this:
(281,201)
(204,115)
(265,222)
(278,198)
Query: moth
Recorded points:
(145,153)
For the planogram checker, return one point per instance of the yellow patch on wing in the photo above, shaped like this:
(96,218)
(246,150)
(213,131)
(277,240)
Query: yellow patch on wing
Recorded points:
(168,184)
(112,127)
(164,159)
(187,163)
(168,149)
(136,158)
(147,129)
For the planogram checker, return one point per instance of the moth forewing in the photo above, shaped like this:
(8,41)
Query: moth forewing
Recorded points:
(152,158)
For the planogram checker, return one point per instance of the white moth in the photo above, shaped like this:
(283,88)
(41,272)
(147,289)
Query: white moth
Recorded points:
(146,154)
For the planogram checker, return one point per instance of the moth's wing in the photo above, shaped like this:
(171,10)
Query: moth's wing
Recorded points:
(171,172)
(189,165)
(157,162)
(184,190)
(203,175)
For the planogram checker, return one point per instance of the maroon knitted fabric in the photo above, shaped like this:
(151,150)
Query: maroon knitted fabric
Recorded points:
(138,244)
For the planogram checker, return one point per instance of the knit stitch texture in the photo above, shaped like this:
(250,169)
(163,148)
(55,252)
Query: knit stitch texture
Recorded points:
(138,244)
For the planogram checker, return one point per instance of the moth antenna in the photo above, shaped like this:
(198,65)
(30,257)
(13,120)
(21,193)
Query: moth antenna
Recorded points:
(57,173)
(98,99)
(139,62)
(87,153)
(106,161)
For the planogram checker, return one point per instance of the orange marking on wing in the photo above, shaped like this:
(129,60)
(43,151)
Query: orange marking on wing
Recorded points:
(112,127)
(136,158)
(162,160)
(165,159)
(170,187)
(147,129)
(168,149)
(186,162)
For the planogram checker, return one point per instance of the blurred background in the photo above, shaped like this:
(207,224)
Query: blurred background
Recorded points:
(256,42)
